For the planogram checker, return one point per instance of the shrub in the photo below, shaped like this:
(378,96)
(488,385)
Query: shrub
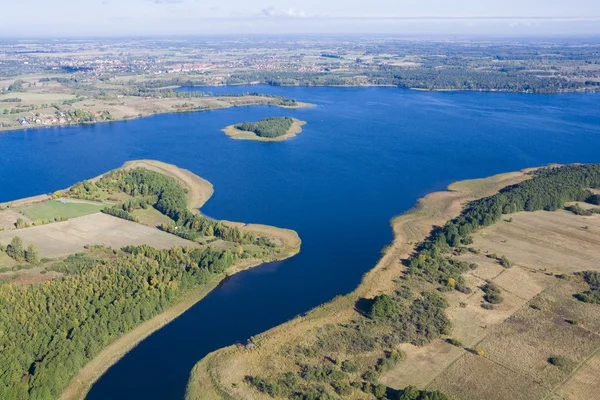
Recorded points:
(342,388)
(350,367)
(505,262)
(558,361)
(370,376)
(454,342)
(383,307)
(492,293)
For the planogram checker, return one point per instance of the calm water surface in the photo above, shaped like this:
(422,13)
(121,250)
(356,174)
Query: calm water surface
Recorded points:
(366,155)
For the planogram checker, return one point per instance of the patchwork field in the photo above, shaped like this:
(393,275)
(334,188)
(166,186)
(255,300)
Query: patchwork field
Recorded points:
(538,319)
(64,238)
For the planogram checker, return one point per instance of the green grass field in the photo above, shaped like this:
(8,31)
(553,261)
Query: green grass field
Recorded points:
(52,209)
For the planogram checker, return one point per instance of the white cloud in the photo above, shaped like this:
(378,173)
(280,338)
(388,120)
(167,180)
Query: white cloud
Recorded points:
(281,12)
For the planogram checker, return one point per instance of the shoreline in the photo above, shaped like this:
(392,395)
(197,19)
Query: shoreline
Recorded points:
(199,192)
(140,116)
(237,134)
(211,380)
(407,88)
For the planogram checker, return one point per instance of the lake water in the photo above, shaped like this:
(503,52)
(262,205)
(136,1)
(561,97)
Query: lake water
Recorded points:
(365,155)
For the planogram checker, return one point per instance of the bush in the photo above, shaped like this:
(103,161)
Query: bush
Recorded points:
(558,361)
(492,293)
(383,307)
(455,342)
(350,367)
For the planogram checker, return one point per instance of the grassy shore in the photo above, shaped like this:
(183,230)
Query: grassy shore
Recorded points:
(220,375)
(238,134)
(199,191)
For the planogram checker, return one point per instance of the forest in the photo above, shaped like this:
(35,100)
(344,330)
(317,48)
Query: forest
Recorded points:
(49,331)
(268,127)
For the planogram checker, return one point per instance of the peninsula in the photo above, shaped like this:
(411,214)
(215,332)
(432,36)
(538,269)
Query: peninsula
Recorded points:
(111,260)
(274,129)
(489,290)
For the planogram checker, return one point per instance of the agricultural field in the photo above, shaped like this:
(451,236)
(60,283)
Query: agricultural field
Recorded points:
(538,319)
(54,209)
(69,237)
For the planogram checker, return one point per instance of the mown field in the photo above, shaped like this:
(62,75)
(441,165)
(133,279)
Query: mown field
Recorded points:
(50,210)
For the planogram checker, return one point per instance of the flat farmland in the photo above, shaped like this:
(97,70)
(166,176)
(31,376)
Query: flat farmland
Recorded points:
(538,319)
(584,383)
(64,238)
(558,241)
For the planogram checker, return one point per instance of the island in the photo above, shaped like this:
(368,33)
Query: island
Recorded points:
(490,290)
(273,129)
(92,270)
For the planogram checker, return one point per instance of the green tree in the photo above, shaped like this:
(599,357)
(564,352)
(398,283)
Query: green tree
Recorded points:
(15,249)
(31,254)
(383,307)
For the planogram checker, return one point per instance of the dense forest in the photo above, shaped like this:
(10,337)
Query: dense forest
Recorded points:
(49,331)
(268,127)
(153,189)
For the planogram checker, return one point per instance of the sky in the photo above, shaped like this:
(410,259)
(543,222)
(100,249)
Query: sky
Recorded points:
(35,18)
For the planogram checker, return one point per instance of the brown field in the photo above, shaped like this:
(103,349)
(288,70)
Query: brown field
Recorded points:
(294,130)
(584,383)
(551,241)
(8,218)
(476,378)
(69,237)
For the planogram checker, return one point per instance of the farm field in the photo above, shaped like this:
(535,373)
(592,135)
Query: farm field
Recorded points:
(49,210)
(64,238)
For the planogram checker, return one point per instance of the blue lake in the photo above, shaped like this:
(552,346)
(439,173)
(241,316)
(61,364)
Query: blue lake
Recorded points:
(365,155)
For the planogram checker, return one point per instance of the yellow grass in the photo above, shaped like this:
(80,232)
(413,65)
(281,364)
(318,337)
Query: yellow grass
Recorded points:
(235,133)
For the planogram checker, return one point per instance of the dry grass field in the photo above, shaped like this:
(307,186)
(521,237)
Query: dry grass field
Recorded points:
(69,237)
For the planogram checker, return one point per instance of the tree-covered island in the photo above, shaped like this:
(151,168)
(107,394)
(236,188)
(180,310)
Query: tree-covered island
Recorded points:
(273,129)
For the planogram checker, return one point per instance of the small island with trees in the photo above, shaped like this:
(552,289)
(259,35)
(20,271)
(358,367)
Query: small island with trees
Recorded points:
(273,129)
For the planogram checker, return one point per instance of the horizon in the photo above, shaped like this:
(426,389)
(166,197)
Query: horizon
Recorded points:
(142,18)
